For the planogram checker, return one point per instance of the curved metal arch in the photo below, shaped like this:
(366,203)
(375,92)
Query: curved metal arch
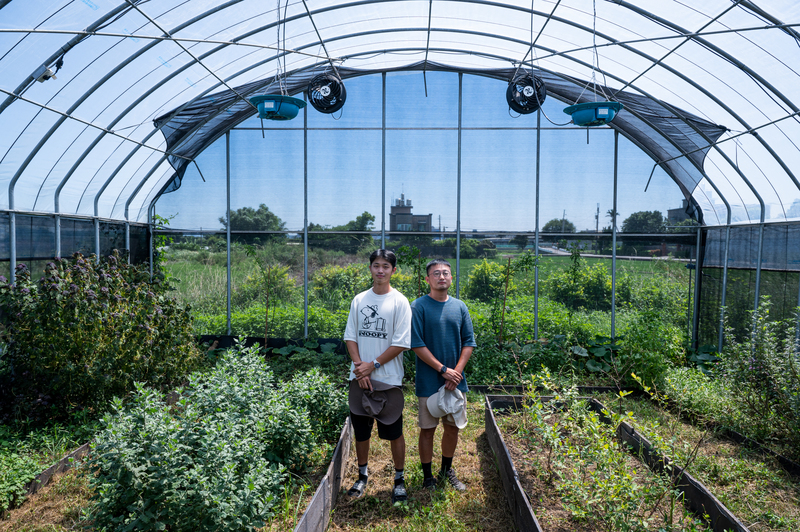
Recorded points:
(62,50)
(503,59)
(385,31)
(88,93)
(497,57)
(720,52)
(644,120)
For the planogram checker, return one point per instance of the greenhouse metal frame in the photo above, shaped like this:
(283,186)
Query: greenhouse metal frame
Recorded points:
(107,104)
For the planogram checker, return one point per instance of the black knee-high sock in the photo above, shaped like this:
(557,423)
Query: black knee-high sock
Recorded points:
(447,463)
(426,470)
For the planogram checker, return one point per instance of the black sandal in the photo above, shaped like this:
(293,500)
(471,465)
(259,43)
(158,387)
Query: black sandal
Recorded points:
(399,493)
(358,489)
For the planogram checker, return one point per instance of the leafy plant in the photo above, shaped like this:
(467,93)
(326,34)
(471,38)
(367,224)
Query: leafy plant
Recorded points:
(582,287)
(333,287)
(411,256)
(762,373)
(16,471)
(599,355)
(287,322)
(215,461)
(286,362)
(704,357)
(84,333)
(486,281)
(589,467)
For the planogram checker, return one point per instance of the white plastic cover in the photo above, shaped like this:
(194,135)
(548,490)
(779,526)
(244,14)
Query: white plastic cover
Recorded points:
(84,141)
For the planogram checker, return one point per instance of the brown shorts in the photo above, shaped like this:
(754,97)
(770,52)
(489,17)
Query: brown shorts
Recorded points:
(426,420)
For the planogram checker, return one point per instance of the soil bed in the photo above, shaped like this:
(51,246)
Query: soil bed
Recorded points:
(753,485)
(555,497)
(482,507)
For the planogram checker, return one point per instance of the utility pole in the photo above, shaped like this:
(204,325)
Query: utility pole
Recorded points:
(597,228)
(563,219)
(597,220)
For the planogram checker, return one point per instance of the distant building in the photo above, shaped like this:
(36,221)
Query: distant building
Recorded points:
(678,215)
(401,218)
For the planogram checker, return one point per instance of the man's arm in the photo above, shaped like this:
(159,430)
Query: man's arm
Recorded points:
(352,349)
(451,375)
(363,369)
(466,353)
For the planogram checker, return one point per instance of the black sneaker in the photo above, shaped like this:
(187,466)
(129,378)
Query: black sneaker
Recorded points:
(399,493)
(451,478)
(429,484)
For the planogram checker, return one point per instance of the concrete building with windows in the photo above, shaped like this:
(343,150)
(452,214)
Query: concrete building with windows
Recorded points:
(402,219)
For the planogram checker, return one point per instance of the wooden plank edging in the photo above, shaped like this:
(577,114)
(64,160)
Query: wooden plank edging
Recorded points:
(318,514)
(696,495)
(520,506)
(43,478)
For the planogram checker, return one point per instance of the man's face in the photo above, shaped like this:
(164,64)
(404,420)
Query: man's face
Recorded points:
(381,271)
(439,277)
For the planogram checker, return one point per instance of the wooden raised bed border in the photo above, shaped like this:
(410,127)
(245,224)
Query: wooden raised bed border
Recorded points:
(43,478)
(318,513)
(696,496)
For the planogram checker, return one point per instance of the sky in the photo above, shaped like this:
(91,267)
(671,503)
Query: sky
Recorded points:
(497,163)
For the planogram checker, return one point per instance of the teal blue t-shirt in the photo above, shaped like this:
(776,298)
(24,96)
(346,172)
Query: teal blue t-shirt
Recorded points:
(444,328)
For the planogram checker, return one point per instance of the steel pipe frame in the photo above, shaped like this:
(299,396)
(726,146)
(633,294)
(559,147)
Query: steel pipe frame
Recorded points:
(458,192)
(383,160)
(761,234)
(614,215)
(474,1)
(305,221)
(536,228)
(698,261)
(228,225)
(567,78)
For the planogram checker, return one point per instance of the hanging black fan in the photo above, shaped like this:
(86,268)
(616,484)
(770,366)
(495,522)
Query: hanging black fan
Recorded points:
(326,93)
(526,93)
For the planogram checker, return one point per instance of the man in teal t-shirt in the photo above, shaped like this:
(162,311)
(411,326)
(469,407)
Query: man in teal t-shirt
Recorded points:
(443,339)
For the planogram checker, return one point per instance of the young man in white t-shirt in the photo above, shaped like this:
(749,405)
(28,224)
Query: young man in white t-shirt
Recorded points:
(378,331)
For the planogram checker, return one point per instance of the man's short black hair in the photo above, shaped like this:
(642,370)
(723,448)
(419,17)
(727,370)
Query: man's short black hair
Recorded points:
(385,254)
(435,262)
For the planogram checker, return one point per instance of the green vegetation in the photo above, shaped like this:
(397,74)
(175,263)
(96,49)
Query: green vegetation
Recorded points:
(579,457)
(27,450)
(217,460)
(85,333)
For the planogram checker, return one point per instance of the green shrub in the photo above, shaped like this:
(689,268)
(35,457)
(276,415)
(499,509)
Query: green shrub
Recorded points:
(323,398)
(514,364)
(333,287)
(285,322)
(282,288)
(86,332)
(762,374)
(486,282)
(216,460)
(651,344)
(286,362)
(16,470)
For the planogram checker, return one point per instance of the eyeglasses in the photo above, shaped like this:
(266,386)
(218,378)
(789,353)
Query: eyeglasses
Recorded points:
(440,273)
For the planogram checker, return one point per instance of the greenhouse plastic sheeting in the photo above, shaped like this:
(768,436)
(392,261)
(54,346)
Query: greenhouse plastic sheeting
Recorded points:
(84,141)
(650,124)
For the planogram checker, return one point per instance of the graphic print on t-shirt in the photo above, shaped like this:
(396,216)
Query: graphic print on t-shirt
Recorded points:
(371,317)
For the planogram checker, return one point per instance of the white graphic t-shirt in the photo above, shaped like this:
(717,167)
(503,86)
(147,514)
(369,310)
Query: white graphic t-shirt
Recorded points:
(377,322)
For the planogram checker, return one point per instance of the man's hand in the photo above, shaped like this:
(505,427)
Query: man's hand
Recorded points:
(453,376)
(363,369)
(365,383)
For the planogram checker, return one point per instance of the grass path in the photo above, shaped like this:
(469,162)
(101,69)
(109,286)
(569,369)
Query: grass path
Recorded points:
(481,507)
